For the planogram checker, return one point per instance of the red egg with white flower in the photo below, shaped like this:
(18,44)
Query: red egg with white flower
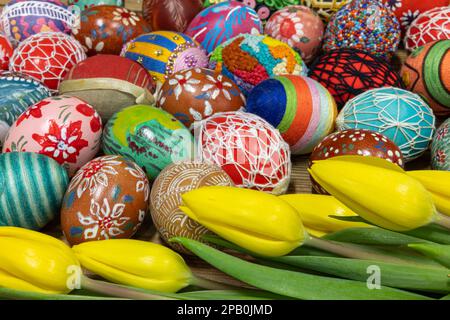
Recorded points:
(64,128)
(6,51)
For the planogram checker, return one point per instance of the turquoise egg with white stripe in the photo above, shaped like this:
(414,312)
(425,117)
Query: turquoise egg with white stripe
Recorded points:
(32,187)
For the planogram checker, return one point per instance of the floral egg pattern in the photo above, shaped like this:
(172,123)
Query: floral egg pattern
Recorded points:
(64,128)
(440,148)
(106,199)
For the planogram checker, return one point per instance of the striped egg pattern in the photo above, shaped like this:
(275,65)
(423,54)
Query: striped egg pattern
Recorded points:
(32,187)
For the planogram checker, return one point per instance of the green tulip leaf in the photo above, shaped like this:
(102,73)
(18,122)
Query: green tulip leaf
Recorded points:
(438,252)
(12,294)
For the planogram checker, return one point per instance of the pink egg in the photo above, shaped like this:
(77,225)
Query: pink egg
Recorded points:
(64,128)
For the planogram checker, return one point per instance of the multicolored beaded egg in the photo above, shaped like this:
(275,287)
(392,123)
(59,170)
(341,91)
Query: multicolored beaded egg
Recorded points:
(6,51)
(85,4)
(440,148)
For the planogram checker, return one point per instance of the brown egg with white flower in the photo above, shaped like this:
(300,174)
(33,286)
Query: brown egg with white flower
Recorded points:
(195,94)
(106,199)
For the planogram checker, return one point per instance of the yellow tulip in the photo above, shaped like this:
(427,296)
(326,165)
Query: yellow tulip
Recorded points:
(256,221)
(376,191)
(135,263)
(315,211)
(32,261)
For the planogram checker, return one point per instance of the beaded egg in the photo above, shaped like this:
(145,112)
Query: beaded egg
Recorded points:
(106,29)
(109,83)
(17,93)
(149,136)
(250,59)
(6,51)
(165,199)
(221,22)
(106,199)
(64,128)
(366,25)
(299,107)
(440,148)
(299,27)
(349,72)
(249,149)
(400,115)
(427,73)
(194,94)
(355,142)
(325,8)
(47,57)
(85,4)
(164,52)
(32,189)
(21,19)
(430,26)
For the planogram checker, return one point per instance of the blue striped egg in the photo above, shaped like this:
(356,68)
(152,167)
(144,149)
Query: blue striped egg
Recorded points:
(32,187)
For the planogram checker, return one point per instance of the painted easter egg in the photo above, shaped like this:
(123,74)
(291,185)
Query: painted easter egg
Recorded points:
(106,199)
(299,27)
(64,128)
(17,93)
(440,148)
(170,15)
(32,189)
(194,94)
(299,107)
(366,25)
(106,29)
(109,83)
(325,8)
(430,26)
(165,199)
(149,136)
(164,52)
(400,115)
(355,142)
(427,73)
(223,21)
(6,51)
(85,4)
(349,72)
(21,19)
(250,59)
(249,149)
(47,57)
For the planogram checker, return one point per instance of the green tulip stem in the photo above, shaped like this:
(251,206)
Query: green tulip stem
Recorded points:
(114,290)
(443,220)
(209,284)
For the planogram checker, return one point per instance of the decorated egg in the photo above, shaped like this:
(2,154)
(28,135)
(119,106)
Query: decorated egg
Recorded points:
(299,107)
(164,52)
(64,128)
(47,57)
(21,19)
(165,199)
(223,21)
(325,8)
(6,51)
(366,25)
(170,15)
(408,10)
(430,26)
(109,83)
(106,199)
(85,4)
(249,149)
(400,115)
(194,94)
(440,148)
(149,136)
(355,142)
(106,29)
(250,59)
(32,189)
(427,73)
(349,72)
(17,93)
(299,27)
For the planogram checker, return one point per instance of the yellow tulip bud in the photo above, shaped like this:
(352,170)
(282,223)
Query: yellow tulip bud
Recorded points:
(135,263)
(380,194)
(256,221)
(32,261)
(315,233)
(315,211)
(438,184)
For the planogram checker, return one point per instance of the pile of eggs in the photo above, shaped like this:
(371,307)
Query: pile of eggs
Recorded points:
(111,115)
